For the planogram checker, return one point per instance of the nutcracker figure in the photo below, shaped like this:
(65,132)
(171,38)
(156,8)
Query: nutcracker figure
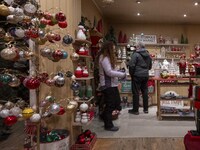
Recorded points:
(191,66)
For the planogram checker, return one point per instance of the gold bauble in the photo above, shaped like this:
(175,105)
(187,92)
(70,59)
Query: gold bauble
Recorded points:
(15,82)
(8,53)
(4,10)
(70,108)
(8,38)
(27,113)
(73,102)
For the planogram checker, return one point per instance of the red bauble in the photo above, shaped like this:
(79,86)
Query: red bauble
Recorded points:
(57,55)
(43,21)
(62,111)
(62,24)
(43,77)
(60,16)
(48,16)
(87,133)
(32,83)
(10,120)
(81,141)
(57,37)
(50,82)
(92,136)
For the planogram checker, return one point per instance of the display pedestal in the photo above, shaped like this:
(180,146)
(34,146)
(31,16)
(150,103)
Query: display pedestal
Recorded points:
(192,140)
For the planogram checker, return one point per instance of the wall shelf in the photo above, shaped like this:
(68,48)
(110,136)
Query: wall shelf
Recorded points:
(79,42)
(85,78)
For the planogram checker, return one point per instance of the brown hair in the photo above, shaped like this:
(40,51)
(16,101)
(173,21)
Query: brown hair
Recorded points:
(107,50)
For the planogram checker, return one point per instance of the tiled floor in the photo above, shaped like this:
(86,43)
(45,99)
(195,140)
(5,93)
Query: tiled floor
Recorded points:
(142,125)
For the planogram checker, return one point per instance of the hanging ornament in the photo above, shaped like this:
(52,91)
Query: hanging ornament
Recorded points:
(73,102)
(57,37)
(57,55)
(74,56)
(44,103)
(16,111)
(62,24)
(9,105)
(9,2)
(9,53)
(50,82)
(76,98)
(60,81)
(21,103)
(35,118)
(83,107)
(19,32)
(10,120)
(30,8)
(5,78)
(65,54)
(27,113)
(15,82)
(67,39)
(75,86)
(46,52)
(70,108)
(50,98)
(78,72)
(54,108)
(60,16)
(4,113)
(43,77)
(73,77)
(4,11)
(19,12)
(69,74)
(32,83)
(62,111)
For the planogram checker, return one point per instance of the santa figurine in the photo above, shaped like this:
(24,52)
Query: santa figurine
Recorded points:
(191,66)
(82,51)
(78,72)
(85,72)
(182,64)
(81,33)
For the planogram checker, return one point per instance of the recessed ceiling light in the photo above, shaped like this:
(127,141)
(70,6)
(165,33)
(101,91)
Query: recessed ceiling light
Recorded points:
(138,14)
(138,2)
(184,15)
(196,4)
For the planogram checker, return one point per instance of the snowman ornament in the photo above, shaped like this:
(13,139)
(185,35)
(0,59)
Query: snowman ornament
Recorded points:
(81,33)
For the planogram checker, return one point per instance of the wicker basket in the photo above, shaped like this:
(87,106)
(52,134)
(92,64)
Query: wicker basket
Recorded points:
(85,146)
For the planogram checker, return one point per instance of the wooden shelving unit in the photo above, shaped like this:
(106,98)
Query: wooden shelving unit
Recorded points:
(79,42)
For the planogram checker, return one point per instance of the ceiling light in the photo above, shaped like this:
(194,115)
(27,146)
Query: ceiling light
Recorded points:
(138,14)
(184,15)
(196,4)
(138,2)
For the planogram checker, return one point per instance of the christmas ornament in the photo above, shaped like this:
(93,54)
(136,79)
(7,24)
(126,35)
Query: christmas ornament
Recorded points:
(15,82)
(21,103)
(69,74)
(27,113)
(78,72)
(43,103)
(57,55)
(18,12)
(73,102)
(62,24)
(74,56)
(76,98)
(62,111)
(60,16)
(9,53)
(75,86)
(57,37)
(65,54)
(16,111)
(83,107)
(70,108)
(50,98)
(9,2)
(73,77)
(30,8)
(35,118)
(10,120)
(9,105)
(4,113)
(60,81)
(80,34)
(54,108)
(87,133)
(67,39)
(43,77)
(5,78)
(4,11)
(46,52)
(32,83)
(50,82)
(2,33)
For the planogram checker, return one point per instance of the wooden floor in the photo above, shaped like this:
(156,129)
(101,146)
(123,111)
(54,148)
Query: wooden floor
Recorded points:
(140,144)
(15,141)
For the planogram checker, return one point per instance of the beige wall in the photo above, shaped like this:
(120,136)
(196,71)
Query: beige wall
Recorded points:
(89,9)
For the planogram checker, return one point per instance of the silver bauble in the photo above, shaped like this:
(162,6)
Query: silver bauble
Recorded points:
(35,118)
(60,81)
(8,54)
(19,33)
(4,113)
(54,108)
(15,111)
(46,52)
(83,107)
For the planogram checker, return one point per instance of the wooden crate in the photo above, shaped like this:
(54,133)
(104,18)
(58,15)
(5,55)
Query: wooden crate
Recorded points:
(84,146)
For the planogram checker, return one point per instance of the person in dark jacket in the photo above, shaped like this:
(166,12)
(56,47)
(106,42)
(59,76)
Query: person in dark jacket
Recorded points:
(139,67)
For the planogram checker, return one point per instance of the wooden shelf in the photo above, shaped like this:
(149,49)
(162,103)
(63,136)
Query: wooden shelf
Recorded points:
(85,101)
(187,99)
(85,56)
(165,58)
(167,44)
(95,33)
(79,42)
(175,52)
(85,78)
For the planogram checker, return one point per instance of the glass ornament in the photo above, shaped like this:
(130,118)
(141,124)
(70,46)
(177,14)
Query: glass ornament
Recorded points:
(83,107)
(62,111)
(4,113)
(15,82)
(74,56)
(19,32)
(30,8)
(54,108)
(27,113)
(35,118)
(10,120)
(9,105)
(67,39)
(75,86)
(15,111)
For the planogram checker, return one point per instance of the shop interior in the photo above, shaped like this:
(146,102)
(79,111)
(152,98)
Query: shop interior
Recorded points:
(49,97)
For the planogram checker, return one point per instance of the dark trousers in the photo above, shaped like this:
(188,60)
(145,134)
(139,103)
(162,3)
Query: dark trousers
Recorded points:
(140,84)
(112,102)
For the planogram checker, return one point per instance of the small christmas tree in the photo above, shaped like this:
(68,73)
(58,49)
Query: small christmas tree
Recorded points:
(110,36)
